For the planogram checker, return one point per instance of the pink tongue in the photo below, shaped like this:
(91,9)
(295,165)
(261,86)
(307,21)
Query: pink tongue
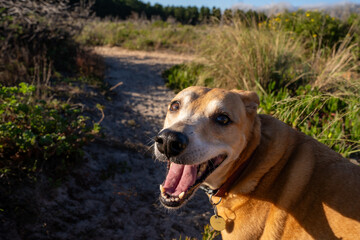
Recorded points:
(179,178)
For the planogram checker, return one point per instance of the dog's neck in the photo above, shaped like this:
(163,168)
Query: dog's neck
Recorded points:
(264,157)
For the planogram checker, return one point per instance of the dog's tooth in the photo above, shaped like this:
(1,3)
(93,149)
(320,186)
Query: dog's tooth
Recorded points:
(162,189)
(181,195)
(177,199)
(203,167)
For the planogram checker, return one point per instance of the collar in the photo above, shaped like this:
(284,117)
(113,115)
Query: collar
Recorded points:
(225,187)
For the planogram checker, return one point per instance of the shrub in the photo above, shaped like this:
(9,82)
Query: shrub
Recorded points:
(36,34)
(37,41)
(208,234)
(90,66)
(318,27)
(40,136)
(182,76)
(35,134)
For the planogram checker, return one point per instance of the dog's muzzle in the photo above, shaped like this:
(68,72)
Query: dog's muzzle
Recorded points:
(171,143)
(182,179)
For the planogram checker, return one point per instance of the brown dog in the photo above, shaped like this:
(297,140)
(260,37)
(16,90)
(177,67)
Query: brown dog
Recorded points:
(274,182)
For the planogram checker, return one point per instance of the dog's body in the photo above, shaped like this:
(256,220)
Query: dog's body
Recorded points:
(292,187)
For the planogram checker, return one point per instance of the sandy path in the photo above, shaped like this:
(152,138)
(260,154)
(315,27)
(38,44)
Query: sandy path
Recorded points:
(114,195)
(142,97)
(134,116)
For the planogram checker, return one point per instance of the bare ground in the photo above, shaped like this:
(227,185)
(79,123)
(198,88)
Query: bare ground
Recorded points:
(114,194)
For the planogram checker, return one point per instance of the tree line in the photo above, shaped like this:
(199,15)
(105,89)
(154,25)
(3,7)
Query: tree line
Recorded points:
(124,9)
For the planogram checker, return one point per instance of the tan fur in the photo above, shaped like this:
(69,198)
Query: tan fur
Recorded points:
(294,186)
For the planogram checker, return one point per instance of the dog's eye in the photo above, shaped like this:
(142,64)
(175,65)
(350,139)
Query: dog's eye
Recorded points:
(222,119)
(174,106)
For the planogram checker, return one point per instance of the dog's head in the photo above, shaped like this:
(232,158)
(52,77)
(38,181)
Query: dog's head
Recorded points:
(204,133)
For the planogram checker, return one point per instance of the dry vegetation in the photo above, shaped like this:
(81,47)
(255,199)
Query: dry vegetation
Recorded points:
(240,57)
(143,35)
(41,130)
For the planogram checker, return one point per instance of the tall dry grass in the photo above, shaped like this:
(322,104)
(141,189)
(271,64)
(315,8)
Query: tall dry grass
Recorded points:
(337,72)
(237,56)
(316,92)
(251,58)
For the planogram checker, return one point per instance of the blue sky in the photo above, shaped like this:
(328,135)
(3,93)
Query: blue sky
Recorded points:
(223,4)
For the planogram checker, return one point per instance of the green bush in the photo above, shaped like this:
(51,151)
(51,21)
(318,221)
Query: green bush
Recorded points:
(317,27)
(208,234)
(35,134)
(182,76)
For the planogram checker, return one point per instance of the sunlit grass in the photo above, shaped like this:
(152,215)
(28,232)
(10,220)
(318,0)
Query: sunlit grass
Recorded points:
(142,35)
(237,56)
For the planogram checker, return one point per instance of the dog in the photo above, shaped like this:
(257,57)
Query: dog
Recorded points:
(271,181)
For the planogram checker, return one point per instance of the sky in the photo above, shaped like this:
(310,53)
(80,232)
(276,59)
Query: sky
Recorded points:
(223,4)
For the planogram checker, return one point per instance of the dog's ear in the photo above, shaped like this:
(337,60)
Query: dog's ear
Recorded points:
(250,100)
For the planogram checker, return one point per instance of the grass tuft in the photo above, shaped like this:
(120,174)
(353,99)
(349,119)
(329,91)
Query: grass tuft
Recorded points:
(237,56)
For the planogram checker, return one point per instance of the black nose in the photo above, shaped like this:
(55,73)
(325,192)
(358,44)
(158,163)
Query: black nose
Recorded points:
(171,143)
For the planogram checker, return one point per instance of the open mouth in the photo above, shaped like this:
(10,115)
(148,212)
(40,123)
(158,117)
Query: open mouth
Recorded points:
(182,180)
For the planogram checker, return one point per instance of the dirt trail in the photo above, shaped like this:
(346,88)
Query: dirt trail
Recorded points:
(142,97)
(134,116)
(114,195)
